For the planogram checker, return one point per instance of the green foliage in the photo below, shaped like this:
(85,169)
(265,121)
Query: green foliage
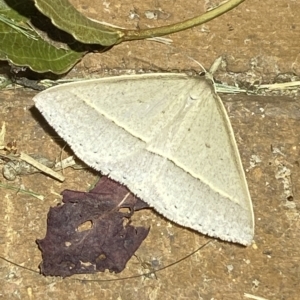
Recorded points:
(22,45)
(28,38)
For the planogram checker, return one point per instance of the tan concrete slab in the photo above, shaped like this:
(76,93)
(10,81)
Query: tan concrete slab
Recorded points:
(260,41)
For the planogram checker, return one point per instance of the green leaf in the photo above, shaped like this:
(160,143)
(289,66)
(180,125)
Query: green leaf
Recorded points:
(23,46)
(66,17)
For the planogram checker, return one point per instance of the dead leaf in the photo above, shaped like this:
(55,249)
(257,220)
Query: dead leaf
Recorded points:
(88,233)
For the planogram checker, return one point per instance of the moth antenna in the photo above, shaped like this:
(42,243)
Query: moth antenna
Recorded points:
(214,67)
(198,63)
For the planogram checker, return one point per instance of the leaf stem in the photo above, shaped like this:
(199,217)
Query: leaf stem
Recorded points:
(164,30)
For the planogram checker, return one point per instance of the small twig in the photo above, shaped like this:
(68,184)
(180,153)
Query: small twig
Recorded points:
(254,297)
(41,167)
(64,163)
(279,86)
(2,136)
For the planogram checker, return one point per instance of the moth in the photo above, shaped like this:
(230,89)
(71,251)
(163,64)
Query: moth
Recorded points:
(167,137)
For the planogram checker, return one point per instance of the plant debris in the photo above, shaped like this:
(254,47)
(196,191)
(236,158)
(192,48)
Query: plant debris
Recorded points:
(17,167)
(91,232)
